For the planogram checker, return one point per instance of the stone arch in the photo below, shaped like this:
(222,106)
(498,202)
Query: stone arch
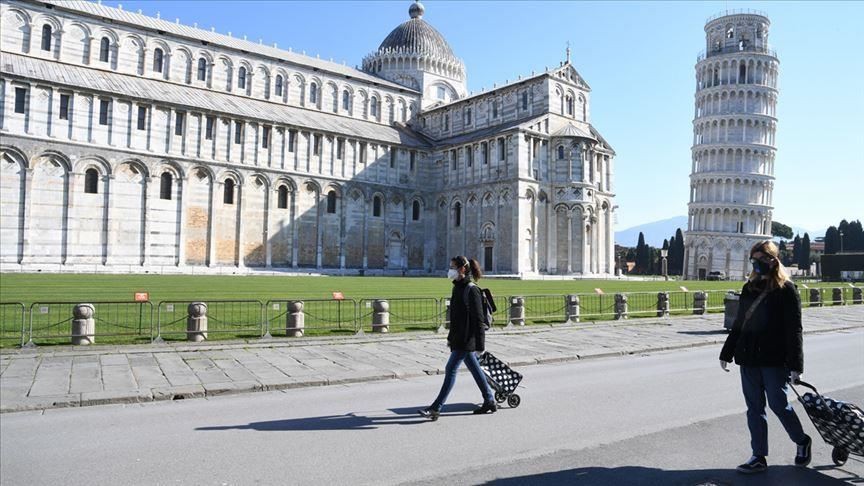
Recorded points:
(181,65)
(131,54)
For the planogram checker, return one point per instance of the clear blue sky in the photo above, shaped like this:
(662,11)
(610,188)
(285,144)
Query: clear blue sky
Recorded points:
(638,58)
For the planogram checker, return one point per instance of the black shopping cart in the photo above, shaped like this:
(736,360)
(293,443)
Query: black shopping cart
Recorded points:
(841,424)
(501,378)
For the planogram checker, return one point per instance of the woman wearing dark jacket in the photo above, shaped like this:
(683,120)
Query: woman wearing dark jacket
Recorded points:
(467,335)
(766,343)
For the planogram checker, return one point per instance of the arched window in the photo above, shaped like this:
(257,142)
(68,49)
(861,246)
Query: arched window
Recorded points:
(742,73)
(241,78)
(313,93)
(46,37)
(104,47)
(376,206)
(282,202)
(524,100)
(346,100)
(91,181)
(278,88)
(373,106)
(570,105)
(457,214)
(415,211)
(202,69)
(560,152)
(165,183)
(157,60)
(331,202)
(228,196)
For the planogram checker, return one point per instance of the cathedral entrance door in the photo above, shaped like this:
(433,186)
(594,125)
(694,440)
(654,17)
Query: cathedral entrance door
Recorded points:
(703,273)
(487,259)
(394,253)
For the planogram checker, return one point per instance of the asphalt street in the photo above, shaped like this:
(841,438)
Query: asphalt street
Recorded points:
(663,418)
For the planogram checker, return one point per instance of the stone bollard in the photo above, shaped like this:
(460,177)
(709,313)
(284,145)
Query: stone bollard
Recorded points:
(380,316)
(815,298)
(837,296)
(517,311)
(295,322)
(730,309)
(662,304)
(83,324)
(571,303)
(620,306)
(196,323)
(446,313)
(700,303)
(856,295)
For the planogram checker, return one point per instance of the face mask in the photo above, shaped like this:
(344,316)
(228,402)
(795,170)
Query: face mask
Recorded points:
(760,267)
(453,274)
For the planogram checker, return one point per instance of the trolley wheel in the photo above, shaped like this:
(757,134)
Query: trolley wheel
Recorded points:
(839,456)
(514,400)
(500,397)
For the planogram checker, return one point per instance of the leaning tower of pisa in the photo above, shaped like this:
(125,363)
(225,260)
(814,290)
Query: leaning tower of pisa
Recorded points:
(732,174)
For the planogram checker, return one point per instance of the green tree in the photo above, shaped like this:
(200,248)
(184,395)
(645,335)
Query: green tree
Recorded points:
(804,258)
(781,230)
(784,253)
(679,252)
(856,236)
(643,258)
(796,250)
(832,240)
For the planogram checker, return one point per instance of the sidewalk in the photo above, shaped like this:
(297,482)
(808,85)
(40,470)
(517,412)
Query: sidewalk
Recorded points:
(54,377)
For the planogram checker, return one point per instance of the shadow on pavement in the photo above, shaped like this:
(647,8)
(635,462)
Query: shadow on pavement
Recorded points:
(644,476)
(348,421)
(711,332)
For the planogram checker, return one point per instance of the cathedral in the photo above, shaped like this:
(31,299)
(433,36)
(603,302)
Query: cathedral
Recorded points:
(132,144)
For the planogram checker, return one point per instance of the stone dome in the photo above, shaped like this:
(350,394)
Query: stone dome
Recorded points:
(416,36)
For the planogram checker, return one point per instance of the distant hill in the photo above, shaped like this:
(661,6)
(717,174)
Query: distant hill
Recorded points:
(654,232)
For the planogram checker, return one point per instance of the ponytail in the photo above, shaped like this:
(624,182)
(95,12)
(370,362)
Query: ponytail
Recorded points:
(476,274)
(472,266)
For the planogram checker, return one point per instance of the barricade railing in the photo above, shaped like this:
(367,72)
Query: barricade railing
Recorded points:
(226,319)
(51,322)
(544,309)
(596,306)
(642,304)
(716,300)
(320,316)
(12,324)
(680,302)
(406,313)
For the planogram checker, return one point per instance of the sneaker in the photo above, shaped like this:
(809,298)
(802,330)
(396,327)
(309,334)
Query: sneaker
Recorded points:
(803,456)
(487,407)
(429,413)
(756,464)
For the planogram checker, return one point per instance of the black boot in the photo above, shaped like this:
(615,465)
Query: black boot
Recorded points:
(487,407)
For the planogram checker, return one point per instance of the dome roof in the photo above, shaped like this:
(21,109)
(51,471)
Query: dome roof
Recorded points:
(416,36)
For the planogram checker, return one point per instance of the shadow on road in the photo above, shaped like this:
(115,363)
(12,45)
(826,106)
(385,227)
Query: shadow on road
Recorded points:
(643,476)
(348,421)
(712,332)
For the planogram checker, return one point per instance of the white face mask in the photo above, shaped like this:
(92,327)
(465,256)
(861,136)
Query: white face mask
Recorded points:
(453,274)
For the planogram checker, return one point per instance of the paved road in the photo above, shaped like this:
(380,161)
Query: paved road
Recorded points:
(662,418)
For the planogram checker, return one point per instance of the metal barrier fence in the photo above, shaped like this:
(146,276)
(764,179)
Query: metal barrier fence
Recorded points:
(642,304)
(225,318)
(51,322)
(541,309)
(596,306)
(320,316)
(406,313)
(12,323)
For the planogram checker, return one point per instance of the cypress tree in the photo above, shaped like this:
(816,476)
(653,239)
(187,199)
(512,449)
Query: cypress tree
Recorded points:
(641,255)
(679,252)
(804,261)
(856,236)
(796,249)
(832,240)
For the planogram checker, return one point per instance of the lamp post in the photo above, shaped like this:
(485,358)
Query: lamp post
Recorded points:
(663,254)
(841,241)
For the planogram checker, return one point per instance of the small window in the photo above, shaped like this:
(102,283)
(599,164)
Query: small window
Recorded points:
(208,128)
(265,137)
(415,211)
(91,181)
(104,49)
(730,32)
(104,105)
(362,152)
(202,69)
(278,88)
(560,152)
(452,160)
(570,105)
(292,138)
(316,144)
(228,196)
(142,118)
(313,93)
(346,100)
(179,119)
(20,99)
(484,151)
(393,157)
(413,160)
(46,37)
(165,183)
(157,60)
(468,116)
(524,100)
(331,202)
(376,206)
(282,199)
(494,109)
(442,93)
(469,156)
(241,78)
(340,148)
(238,132)
(374,107)
(446,121)
(457,214)
(64,106)
(502,154)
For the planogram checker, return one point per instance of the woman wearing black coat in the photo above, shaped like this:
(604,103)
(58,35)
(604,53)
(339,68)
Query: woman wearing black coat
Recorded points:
(766,343)
(467,335)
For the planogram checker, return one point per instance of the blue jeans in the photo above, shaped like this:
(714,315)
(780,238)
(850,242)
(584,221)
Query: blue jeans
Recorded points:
(470,359)
(757,383)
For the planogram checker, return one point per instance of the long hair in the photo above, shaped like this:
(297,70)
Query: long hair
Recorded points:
(472,266)
(778,275)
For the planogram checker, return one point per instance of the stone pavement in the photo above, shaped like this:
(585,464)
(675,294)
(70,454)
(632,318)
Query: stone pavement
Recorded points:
(53,377)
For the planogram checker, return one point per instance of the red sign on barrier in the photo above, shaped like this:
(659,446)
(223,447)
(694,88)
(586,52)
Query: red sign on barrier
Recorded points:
(142,297)
(338,296)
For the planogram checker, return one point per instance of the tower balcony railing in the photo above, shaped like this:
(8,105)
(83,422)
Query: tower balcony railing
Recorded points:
(737,11)
(735,48)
